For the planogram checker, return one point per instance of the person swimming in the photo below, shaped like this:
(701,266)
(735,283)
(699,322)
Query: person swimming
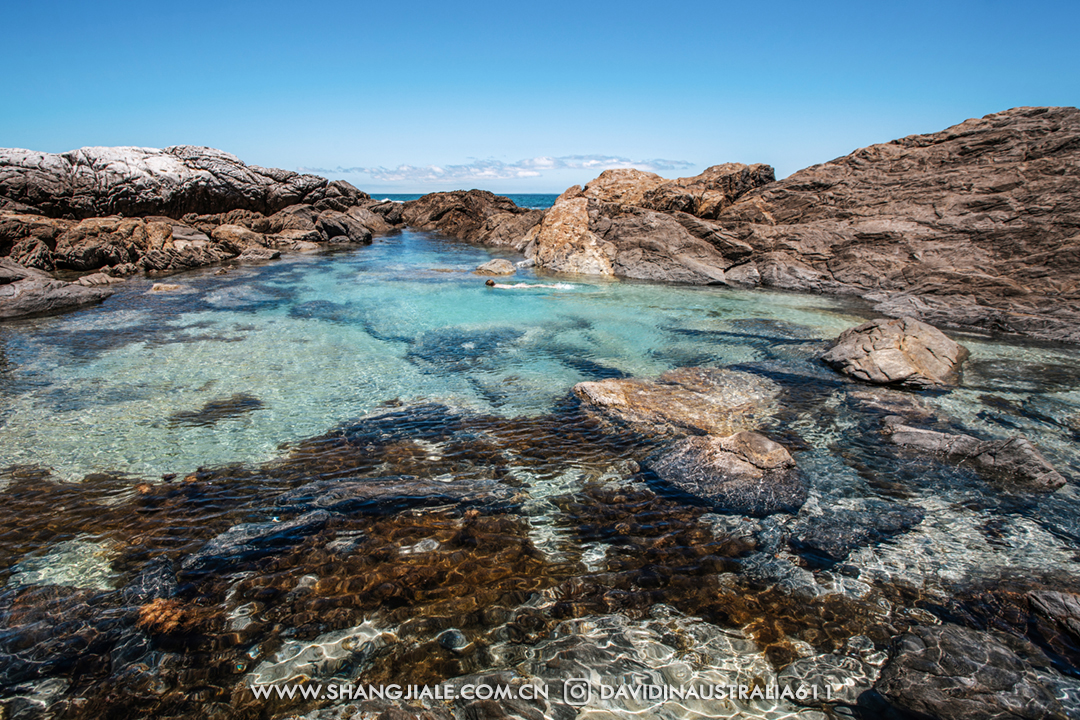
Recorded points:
(519,286)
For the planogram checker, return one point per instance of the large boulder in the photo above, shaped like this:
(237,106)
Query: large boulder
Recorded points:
(99,181)
(948,671)
(745,473)
(684,400)
(26,291)
(1014,462)
(897,352)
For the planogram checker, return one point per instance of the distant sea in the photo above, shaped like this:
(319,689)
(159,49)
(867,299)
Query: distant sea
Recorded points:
(529,200)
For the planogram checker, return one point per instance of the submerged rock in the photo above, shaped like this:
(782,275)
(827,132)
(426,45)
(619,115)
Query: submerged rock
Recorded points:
(952,672)
(745,473)
(897,352)
(1015,462)
(222,409)
(389,495)
(251,541)
(694,399)
(497,266)
(831,536)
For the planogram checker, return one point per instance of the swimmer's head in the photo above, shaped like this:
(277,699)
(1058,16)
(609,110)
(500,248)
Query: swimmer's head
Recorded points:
(490,283)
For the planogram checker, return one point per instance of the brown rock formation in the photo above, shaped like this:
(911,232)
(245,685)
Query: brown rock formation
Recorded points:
(976,225)
(695,400)
(897,352)
(474,216)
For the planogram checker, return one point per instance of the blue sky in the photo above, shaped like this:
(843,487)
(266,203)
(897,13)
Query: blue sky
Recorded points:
(399,97)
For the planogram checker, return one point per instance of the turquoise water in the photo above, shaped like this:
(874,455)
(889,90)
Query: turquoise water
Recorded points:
(312,340)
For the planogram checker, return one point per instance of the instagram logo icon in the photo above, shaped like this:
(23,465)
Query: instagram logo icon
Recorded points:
(576,691)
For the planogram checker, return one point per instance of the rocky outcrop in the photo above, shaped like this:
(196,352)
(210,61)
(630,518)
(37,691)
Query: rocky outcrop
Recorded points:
(635,224)
(27,291)
(703,195)
(100,181)
(745,473)
(976,225)
(902,352)
(126,210)
(1015,463)
(696,400)
(952,672)
(582,235)
(475,216)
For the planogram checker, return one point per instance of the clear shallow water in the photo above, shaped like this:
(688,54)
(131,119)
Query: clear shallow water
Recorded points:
(318,339)
(395,361)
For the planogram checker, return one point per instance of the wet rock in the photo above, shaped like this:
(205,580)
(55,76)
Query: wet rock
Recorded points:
(831,536)
(156,580)
(902,352)
(258,255)
(1061,608)
(250,541)
(222,409)
(25,291)
(389,495)
(1015,462)
(745,473)
(952,672)
(696,399)
(453,639)
(496,267)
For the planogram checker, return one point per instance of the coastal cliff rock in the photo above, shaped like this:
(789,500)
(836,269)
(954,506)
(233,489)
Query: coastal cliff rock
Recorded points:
(583,235)
(902,352)
(703,195)
(975,225)
(100,181)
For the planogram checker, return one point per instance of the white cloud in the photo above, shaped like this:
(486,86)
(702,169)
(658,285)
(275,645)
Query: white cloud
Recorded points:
(498,170)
